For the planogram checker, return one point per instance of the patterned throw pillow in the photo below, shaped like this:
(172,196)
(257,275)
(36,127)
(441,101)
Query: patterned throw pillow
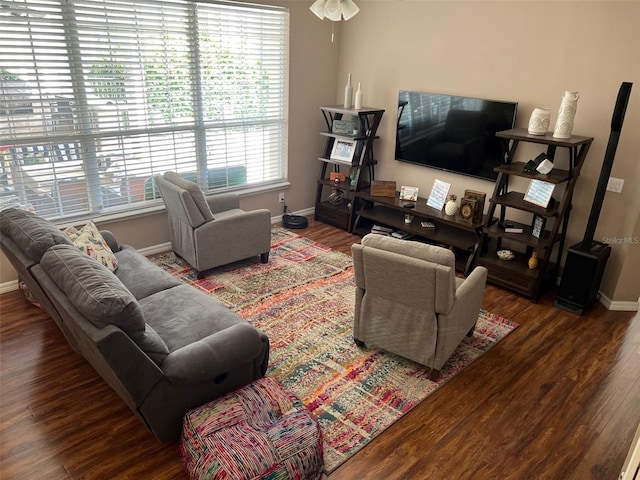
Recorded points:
(89,240)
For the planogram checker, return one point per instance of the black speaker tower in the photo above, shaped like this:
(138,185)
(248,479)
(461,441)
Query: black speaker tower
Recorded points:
(586,260)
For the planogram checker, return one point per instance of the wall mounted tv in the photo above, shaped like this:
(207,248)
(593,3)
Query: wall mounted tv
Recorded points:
(452,133)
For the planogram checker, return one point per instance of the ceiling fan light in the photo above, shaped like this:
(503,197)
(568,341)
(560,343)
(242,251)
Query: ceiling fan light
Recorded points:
(349,9)
(318,8)
(332,10)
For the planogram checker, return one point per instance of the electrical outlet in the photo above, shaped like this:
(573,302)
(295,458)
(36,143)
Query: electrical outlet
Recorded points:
(281,197)
(615,184)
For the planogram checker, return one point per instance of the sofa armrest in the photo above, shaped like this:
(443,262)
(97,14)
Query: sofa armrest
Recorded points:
(471,290)
(457,322)
(111,240)
(236,232)
(223,202)
(214,355)
(468,301)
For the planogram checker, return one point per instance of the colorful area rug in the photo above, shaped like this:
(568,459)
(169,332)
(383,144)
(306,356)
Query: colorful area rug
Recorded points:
(303,299)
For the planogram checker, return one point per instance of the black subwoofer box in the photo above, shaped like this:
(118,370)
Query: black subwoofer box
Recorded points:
(581,277)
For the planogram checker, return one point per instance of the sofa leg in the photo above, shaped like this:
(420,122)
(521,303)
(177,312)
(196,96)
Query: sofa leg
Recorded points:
(359,343)
(264,257)
(201,275)
(434,375)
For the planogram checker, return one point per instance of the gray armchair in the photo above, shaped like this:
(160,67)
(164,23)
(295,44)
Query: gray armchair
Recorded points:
(410,302)
(211,231)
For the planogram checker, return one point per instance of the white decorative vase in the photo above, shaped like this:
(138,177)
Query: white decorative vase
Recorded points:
(357,104)
(539,121)
(566,114)
(451,207)
(348,94)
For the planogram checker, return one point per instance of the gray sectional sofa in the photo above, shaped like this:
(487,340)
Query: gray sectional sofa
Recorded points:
(163,346)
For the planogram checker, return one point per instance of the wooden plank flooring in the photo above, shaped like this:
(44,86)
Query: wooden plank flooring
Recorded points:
(558,399)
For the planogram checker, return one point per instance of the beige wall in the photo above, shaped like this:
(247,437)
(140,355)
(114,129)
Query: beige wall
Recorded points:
(529,52)
(525,51)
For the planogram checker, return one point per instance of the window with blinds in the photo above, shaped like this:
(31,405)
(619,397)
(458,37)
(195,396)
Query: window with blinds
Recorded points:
(98,96)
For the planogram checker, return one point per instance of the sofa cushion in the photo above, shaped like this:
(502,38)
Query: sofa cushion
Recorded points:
(195,192)
(93,290)
(140,275)
(90,241)
(182,315)
(32,233)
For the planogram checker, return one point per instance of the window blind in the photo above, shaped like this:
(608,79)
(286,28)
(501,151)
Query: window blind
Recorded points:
(98,96)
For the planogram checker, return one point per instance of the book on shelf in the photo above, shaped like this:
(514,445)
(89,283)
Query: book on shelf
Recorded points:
(380,230)
(429,225)
(401,235)
(510,227)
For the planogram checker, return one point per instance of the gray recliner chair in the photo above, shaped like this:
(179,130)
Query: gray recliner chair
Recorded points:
(211,231)
(409,301)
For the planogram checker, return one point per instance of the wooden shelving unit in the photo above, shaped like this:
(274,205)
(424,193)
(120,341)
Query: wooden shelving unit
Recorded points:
(335,200)
(515,274)
(450,231)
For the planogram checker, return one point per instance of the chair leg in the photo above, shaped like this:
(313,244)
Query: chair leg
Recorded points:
(434,375)
(264,257)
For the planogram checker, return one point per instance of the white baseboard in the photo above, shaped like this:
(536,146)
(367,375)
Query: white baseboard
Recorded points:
(9,286)
(12,285)
(617,305)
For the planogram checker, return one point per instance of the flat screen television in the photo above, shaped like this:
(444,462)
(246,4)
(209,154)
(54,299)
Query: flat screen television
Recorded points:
(452,133)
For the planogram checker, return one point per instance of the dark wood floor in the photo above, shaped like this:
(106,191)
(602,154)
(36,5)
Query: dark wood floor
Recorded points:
(558,399)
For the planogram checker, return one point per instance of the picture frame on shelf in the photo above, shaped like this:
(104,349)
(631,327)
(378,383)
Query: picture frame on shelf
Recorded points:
(343,150)
(539,193)
(408,194)
(467,211)
(537,226)
(480,198)
(438,195)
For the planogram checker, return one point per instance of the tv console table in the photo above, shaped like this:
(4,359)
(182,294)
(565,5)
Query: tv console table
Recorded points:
(390,212)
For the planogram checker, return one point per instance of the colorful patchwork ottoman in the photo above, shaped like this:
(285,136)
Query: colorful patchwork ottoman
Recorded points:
(259,431)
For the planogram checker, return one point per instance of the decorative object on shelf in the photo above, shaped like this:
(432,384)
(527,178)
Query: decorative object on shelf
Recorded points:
(357,103)
(408,194)
(532,165)
(539,121)
(566,115)
(337,177)
(343,150)
(334,10)
(348,94)
(545,166)
(345,127)
(480,198)
(505,255)
(533,261)
(353,174)
(537,227)
(451,207)
(468,208)
(408,218)
(383,188)
(438,195)
(336,197)
(539,193)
